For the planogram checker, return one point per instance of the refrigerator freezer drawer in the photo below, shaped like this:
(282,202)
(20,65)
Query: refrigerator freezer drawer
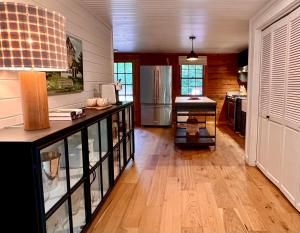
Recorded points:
(160,115)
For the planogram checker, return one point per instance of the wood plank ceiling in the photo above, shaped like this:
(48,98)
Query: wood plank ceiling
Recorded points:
(221,26)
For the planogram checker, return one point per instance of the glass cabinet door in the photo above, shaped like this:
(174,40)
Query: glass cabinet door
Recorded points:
(122,155)
(130,117)
(121,125)
(75,158)
(104,140)
(105,176)
(95,181)
(127,119)
(53,174)
(93,141)
(59,222)
(128,144)
(116,157)
(115,129)
(78,209)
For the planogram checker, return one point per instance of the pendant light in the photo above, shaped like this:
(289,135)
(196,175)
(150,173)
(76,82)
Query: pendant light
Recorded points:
(192,56)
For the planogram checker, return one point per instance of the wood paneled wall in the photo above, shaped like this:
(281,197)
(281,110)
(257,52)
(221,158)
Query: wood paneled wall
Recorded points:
(220,76)
(96,39)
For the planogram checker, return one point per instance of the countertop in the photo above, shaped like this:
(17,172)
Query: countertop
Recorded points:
(186,99)
(18,134)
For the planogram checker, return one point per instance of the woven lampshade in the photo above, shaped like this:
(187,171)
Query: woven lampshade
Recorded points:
(31,38)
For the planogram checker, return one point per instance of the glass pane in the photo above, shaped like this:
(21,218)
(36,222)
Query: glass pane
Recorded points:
(115,129)
(59,220)
(121,68)
(132,144)
(95,181)
(192,82)
(199,67)
(75,158)
(115,67)
(192,67)
(122,77)
(129,98)
(104,141)
(128,78)
(120,125)
(122,98)
(128,67)
(199,82)
(122,92)
(94,152)
(78,209)
(129,90)
(53,173)
(192,73)
(184,73)
(130,118)
(128,139)
(105,175)
(184,67)
(127,119)
(190,92)
(184,82)
(184,90)
(116,162)
(115,77)
(199,74)
(122,155)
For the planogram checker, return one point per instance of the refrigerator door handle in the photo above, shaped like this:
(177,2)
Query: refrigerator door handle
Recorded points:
(157,86)
(154,92)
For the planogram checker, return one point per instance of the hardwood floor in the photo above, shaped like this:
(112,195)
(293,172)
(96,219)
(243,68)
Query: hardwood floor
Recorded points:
(172,190)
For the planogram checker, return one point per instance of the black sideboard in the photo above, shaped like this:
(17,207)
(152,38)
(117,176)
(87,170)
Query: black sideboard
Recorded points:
(59,177)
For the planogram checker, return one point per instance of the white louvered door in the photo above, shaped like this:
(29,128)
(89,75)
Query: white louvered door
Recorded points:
(290,183)
(265,73)
(279,106)
(292,108)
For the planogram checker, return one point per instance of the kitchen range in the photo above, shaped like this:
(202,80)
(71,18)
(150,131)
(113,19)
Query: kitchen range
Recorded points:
(236,111)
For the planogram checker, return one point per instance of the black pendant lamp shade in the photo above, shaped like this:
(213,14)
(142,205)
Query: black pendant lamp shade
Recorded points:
(192,56)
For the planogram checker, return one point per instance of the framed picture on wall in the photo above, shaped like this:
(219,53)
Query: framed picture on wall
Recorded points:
(70,81)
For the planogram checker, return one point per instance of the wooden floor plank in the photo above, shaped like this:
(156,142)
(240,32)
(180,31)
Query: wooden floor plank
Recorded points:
(174,190)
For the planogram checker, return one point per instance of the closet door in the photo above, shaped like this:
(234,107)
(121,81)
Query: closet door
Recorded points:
(277,98)
(290,184)
(292,107)
(263,136)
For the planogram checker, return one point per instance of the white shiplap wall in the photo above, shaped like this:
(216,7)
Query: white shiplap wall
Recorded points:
(96,39)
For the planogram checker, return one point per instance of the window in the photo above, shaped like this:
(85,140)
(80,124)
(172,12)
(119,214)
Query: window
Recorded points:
(191,79)
(123,71)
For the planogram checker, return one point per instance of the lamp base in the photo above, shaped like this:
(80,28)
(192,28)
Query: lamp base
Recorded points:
(34,100)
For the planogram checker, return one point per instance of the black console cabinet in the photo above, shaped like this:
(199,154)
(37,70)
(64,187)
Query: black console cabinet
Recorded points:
(64,173)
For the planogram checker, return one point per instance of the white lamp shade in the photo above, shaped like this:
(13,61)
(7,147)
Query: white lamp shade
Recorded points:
(31,38)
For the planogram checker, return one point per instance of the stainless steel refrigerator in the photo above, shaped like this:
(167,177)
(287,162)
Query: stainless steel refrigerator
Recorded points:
(156,95)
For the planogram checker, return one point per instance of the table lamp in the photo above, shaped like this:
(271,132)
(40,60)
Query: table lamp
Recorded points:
(32,41)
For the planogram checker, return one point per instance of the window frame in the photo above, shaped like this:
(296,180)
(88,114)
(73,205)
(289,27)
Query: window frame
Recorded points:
(124,81)
(194,78)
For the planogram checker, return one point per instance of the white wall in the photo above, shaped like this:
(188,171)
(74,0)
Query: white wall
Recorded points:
(96,39)
(268,15)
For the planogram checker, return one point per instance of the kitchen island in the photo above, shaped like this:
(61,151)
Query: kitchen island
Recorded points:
(193,113)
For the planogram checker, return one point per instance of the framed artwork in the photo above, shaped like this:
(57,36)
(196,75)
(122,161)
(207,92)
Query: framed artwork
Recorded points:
(70,81)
